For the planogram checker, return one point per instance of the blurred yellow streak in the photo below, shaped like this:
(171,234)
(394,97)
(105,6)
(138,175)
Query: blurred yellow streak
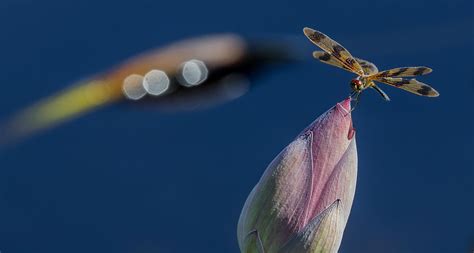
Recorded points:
(68,104)
(105,88)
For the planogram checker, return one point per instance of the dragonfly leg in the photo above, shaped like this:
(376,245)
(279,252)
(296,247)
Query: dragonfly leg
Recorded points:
(356,98)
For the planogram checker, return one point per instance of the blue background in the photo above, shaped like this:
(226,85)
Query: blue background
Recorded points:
(136,180)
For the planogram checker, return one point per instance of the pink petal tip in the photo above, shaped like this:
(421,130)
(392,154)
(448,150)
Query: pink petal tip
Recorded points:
(345,105)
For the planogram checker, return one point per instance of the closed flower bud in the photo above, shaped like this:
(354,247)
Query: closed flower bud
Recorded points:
(302,202)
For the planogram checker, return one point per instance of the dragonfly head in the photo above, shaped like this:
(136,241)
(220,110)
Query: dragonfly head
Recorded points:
(356,85)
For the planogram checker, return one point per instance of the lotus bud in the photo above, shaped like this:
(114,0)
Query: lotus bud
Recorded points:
(302,202)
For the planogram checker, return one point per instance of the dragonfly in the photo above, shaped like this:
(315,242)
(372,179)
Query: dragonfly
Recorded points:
(367,73)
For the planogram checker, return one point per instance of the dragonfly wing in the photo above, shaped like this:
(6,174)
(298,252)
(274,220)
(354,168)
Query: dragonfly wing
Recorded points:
(334,49)
(411,85)
(329,59)
(404,72)
(368,67)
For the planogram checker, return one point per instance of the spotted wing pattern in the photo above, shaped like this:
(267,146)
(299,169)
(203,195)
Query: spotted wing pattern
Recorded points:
(404,72)
(411,85)
(368,67)
(329,59)
(333,48)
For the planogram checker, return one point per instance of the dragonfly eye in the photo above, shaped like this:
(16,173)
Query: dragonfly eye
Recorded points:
(356,84)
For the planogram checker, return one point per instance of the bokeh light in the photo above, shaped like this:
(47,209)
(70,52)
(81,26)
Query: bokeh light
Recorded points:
(193,72)
(156,82)
(133,87)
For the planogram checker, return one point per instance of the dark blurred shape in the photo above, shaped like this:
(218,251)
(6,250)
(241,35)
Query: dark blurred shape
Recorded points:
(184,75)
(203,82)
